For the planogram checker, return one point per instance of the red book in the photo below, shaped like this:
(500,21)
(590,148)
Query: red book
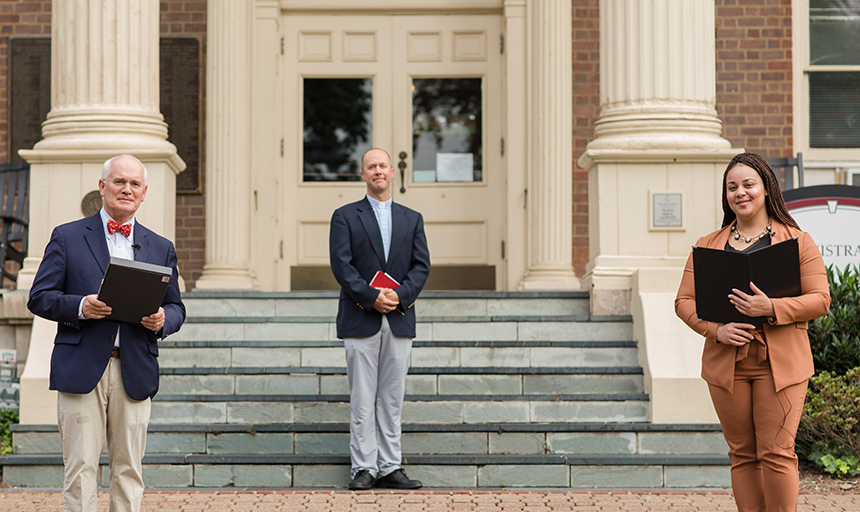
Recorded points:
(383,280)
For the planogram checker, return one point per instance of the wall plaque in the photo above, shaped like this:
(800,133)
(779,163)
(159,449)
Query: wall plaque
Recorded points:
(666,210)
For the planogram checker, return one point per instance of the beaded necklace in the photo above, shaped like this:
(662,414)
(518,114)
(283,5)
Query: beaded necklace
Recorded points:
(749,239)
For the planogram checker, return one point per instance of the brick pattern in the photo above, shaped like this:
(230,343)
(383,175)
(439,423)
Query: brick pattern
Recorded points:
(178,18)
(17,18)
(754,75)
(442,501)
(586,108)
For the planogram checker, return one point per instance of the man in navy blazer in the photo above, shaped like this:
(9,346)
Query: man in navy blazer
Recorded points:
(96,361)
(377,324)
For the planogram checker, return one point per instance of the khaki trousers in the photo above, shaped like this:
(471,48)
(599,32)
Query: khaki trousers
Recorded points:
(759,425)
(86,421)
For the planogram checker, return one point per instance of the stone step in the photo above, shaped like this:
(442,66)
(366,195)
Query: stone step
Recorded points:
(524,329)
(181,409)
(442,455)
(324,304)
(459,354)
(438,381)
(418,439)
(503,471)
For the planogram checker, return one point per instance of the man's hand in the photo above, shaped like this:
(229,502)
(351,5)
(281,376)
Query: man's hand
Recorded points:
(155,321)
(392,295)
(757,304)
(384,302)
(736,334)
(94,309)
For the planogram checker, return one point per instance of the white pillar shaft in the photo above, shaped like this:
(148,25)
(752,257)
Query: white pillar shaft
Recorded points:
(104,69)
(228,145)
(550,147)
(657,83)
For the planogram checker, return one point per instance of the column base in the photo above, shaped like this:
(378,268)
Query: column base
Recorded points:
(225,277)
(548,279)
(38,403)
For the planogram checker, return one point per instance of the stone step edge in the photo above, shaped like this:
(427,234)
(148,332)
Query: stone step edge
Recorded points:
(424,319)
(592,397)
(256,294)
(415,370)
(638,427)
(415,344)
(447,460)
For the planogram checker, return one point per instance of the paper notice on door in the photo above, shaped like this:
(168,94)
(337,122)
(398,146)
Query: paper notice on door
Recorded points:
(455,167)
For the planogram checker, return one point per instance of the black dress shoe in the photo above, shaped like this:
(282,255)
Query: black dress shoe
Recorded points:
(363,481)
(397,479)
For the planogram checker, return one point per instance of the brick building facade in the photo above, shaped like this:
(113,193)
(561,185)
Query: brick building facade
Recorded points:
(754,93)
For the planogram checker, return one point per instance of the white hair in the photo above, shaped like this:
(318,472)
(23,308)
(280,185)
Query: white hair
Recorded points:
(106,168)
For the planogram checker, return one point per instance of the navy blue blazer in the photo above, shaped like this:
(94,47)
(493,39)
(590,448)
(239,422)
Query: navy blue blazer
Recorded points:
(73,266)
(356,254)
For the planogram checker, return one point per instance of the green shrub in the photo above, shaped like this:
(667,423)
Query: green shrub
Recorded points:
(830,424)
(7,417)
(835,337)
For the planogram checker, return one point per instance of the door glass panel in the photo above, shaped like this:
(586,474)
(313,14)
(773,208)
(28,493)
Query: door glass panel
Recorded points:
(338,127)
(447,130)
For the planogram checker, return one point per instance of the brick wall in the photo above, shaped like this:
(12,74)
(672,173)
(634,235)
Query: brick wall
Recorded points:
(586,108)
(754,74)
(188,17)
(17,18)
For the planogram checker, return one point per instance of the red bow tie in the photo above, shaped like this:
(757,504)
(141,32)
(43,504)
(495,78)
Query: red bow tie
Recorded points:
(113,227)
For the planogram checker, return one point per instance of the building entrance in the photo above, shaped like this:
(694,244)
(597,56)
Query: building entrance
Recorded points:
(428,89)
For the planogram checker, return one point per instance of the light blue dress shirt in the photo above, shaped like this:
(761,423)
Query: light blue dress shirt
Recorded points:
(382,210)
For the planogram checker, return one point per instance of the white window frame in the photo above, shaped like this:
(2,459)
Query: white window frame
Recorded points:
(801,70)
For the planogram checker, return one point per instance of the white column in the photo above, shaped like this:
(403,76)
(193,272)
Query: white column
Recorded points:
(549,197)
(104,102)
(657,76)
(658,132)
(228,146)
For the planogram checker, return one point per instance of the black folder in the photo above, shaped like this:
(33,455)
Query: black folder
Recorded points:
(133,289)
(774,269)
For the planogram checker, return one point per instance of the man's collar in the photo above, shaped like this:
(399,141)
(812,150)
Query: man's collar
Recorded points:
(106,217)
(380,205)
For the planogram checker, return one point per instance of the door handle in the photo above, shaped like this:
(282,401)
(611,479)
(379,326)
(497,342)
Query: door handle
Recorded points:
(402,166)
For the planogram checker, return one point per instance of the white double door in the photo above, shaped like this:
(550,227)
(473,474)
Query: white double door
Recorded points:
(434,86)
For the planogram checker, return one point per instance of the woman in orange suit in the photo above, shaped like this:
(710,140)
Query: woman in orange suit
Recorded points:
(757,376)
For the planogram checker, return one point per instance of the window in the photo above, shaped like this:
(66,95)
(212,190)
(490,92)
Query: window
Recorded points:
(338,127)
(834,74)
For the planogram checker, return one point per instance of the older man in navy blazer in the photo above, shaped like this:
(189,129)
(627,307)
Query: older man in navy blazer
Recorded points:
(377,324)
(105,371)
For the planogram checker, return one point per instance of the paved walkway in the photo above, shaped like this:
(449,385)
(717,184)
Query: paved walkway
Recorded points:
(430,501)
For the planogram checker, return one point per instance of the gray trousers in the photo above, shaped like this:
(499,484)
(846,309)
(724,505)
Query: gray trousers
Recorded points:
(376,367)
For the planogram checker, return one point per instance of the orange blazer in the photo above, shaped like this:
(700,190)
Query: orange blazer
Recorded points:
(787,342)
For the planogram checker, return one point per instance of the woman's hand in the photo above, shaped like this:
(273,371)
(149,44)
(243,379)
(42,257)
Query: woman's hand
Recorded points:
(757,304)
(734,334)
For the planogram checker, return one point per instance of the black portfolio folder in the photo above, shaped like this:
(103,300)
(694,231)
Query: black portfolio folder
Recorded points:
(774,269)
(133,289)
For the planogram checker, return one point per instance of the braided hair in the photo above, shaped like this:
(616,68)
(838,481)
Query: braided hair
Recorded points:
(774,203)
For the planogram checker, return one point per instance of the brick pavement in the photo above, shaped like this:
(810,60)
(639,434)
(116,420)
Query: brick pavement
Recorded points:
(425,501)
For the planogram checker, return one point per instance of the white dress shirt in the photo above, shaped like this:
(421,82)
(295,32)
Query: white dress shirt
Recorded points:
(382,210)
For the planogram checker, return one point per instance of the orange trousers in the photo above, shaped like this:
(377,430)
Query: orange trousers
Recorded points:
(759,425)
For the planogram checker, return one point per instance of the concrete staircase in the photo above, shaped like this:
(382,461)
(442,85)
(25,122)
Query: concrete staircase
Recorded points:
(517,389)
